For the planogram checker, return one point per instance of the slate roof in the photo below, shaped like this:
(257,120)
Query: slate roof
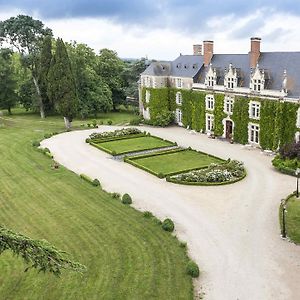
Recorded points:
(274,64)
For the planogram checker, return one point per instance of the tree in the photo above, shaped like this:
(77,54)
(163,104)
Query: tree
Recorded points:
(61,84)
(110,67)
(26,35)
(8,96)
(94,94)
(38,253)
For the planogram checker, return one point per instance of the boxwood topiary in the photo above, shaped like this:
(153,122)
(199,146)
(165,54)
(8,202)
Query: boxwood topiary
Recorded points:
(126,199)
(192,269)
(96,182)
(168,225)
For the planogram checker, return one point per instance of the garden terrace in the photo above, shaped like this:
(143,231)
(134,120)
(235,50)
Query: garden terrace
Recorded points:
(171,162)
(134,143)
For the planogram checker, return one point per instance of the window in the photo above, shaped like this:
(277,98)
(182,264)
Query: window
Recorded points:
(254,111)
(210,81)
(254,133)
(209,122)
(298,118)
(230,82)
(178,98)
(209,102)
(228,105)
(178,82)
(178,116)
(148,81)
(256,85)
(147,96)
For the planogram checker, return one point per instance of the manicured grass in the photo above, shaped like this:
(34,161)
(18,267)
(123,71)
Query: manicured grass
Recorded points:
(293,219)
(127,256)
(175,162)
(134,144)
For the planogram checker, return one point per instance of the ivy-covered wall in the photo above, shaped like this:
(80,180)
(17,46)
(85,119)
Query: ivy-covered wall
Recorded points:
(277,118)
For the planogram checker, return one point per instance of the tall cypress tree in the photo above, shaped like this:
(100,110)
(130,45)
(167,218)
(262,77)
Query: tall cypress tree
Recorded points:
(61,84)
(44,66)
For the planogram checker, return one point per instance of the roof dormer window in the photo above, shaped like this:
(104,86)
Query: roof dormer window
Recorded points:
(257,82)
(211,77)
(230,78)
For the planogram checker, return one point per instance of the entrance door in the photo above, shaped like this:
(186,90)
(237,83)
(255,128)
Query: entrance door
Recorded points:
(228,129)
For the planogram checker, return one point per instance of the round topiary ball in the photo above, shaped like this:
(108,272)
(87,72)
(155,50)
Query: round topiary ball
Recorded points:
(192,269)
(96,182)
(168,225)
(160,175)
(126,199)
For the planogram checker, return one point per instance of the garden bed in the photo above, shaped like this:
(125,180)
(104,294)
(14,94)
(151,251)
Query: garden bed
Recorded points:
(171,162)
(285,165)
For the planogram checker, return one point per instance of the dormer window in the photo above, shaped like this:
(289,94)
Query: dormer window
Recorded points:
(195,66)
(230,78)
(178,66)
(211,77)
(186,66)
(257,82)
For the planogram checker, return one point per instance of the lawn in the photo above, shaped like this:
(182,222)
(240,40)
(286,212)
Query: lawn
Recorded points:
(293,219)
(174,161)
(134,144)
(127,256)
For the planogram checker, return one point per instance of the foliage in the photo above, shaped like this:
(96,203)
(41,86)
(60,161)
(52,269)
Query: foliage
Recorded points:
(168,225)
(241,118)
(219,114)
(61,84)
(290,151)
(117,133)
(8,96)
(126,199)
(162,119)
(192,269)
(225,172)
(135,121)
(38,253)
(96,182)
(26,35)
(36,143)
(110,67)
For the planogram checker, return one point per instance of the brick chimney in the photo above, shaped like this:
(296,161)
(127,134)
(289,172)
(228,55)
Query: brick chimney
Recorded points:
(197,49)
(254,52)
(208,52)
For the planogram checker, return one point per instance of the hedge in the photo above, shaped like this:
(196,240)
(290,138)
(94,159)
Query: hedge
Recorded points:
(94,182)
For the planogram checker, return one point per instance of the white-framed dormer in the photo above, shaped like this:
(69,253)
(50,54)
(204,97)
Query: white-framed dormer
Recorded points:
(209,123)
(228,105)
(178,116)
(147,96)
(254,110)
(211,77)
(230,78)
(209,102)
(147,81)
(257,80)
(178,98)
(253,134)
(298,118)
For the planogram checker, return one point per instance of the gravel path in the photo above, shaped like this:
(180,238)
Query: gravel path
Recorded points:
(232,231)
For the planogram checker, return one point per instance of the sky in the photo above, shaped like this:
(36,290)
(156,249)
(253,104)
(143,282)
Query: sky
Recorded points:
(165,28)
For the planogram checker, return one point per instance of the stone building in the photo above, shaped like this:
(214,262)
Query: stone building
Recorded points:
(264,81)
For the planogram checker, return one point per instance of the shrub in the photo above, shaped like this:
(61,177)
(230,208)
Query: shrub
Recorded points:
(94,122)
(47,135)
(113,153)
(290,151)
(45,150)
(87,178)
(163,119)
(126,199)
(36,144)
(147,215)
(115,195)
(160,175)
(96,182)
(109,122)
(192,269)
(87,140)
(117,133)
(135,121)
(168,225)
(100,122)
(88,125)
(81,125)
(183,245)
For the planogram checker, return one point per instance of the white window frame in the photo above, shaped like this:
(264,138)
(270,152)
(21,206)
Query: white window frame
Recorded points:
(228,105)
(178,98)
(230,82)
(209,122)
(254,110)
(210,81)
(209,102)
(253,133)
(178,82)
(298,118)
(148,81)
(147,96)
(179,116)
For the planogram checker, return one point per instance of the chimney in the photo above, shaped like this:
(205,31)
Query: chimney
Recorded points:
(208,52)
(255,51)
(197,49)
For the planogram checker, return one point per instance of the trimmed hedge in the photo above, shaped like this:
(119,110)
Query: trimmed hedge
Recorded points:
(168,225)
(283,166)
(192,269)
(93,182)
(126,199)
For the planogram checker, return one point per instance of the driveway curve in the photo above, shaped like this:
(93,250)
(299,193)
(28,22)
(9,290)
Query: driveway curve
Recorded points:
(232,231)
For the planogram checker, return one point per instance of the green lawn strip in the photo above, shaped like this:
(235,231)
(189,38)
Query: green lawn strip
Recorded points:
(174,162)
(121,249)
(125,146)
(292,218)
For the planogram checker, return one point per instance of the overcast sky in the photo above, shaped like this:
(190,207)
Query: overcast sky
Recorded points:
(162,29)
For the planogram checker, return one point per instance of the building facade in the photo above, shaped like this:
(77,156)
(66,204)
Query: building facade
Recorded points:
(251,98)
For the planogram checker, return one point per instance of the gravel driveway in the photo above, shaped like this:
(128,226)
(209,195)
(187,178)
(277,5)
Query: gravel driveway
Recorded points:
(232,231)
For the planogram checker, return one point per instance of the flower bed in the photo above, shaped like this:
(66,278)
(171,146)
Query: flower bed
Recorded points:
(286,165)
(117,133)
(215,174)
